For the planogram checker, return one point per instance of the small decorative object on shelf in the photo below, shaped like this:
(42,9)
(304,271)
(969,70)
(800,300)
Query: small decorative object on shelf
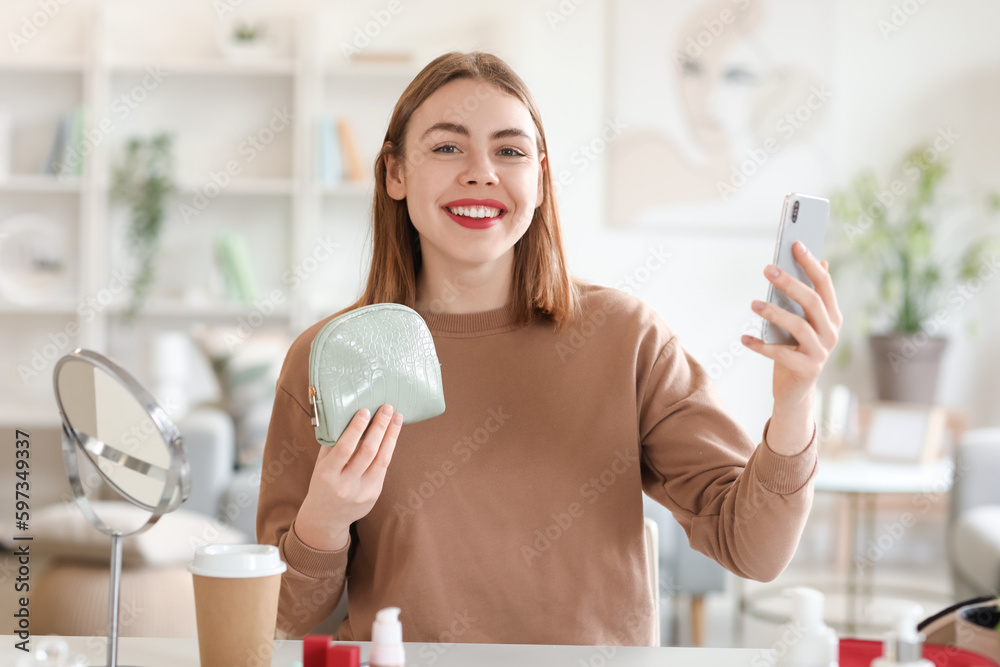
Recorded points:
(144,182)
(242,41)
(34,259)
(233,254)
(65,158)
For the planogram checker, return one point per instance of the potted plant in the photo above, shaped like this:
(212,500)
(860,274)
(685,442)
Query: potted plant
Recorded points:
(143,182)
(898,235)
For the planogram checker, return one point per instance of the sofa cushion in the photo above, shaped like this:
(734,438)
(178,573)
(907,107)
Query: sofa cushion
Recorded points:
(61,530)
(976,546)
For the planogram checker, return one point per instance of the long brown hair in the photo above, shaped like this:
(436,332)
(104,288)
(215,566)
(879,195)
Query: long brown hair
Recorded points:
(542,284)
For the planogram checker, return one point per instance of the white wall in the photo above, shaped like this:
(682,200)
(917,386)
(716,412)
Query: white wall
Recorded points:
(941,68)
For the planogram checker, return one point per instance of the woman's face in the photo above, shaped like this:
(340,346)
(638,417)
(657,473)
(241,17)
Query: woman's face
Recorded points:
(472,176)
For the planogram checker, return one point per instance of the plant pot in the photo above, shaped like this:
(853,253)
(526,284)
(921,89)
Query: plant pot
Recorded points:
(906,367)
(975,629)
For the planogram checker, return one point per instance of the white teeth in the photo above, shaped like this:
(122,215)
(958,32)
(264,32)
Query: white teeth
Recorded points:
(475,211)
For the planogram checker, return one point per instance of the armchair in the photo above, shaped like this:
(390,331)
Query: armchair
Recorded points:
(974,516)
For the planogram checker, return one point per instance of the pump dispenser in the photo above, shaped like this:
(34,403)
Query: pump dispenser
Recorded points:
(811,643)
(387,639)
(904,646)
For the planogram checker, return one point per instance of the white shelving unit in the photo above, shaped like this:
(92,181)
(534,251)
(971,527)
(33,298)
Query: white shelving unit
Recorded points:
(212,107)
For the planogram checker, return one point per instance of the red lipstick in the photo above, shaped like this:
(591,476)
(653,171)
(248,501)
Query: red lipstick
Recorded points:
(475,223)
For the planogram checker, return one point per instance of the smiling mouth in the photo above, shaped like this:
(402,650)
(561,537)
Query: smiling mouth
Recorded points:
(475,212)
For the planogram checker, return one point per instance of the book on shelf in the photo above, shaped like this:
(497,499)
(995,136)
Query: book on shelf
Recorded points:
(330,168)
(353,167)
(382,57)
(339,158)
(233,254)
(65,156)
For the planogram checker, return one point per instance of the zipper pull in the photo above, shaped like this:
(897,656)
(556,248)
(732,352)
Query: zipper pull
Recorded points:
(312,402)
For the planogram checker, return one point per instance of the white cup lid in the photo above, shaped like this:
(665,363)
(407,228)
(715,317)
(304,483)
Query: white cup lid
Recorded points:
(236,561)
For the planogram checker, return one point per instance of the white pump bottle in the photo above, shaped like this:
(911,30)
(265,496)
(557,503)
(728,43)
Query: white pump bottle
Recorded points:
(387,639)
(904,646)
(811,642)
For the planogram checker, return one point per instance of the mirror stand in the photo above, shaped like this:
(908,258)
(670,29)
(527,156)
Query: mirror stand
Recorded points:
(114,596)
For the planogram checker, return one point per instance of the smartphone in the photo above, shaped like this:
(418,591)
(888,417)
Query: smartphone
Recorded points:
(803,218)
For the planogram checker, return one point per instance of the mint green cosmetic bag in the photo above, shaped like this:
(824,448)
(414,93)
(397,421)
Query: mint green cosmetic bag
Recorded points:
(370,356)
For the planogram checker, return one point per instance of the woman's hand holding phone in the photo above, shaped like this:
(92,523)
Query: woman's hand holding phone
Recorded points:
(347,479)
(797,367)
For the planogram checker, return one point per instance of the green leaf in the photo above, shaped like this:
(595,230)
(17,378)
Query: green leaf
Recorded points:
(143,182)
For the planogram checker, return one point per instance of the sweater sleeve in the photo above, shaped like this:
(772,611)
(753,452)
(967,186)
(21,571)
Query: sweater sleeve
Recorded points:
(742,505)
(314,580)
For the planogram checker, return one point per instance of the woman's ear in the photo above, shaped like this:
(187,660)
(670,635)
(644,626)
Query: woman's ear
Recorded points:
(395,183)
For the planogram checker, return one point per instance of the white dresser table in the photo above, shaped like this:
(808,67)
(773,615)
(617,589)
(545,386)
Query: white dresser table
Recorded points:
(141,652)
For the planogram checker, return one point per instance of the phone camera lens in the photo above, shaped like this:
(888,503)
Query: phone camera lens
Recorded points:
(795,211)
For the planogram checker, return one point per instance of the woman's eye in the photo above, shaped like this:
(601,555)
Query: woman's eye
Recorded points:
(440,149)
(513,152)
(739,75)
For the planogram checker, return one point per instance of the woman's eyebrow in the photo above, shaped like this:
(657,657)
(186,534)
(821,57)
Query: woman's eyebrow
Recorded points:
(464,131)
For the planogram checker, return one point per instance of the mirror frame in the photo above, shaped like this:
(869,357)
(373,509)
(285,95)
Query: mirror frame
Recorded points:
(177,485)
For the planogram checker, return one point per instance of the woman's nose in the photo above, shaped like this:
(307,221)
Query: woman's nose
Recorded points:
(479,169)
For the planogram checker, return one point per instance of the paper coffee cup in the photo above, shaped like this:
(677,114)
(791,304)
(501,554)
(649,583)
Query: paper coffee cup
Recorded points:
(236,603)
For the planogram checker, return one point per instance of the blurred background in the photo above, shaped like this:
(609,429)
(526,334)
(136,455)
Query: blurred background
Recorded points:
(186,185)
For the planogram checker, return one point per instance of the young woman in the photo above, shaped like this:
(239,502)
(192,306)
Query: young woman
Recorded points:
(516,516)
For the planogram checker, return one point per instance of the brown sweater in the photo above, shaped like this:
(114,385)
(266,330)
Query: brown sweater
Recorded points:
(516,516)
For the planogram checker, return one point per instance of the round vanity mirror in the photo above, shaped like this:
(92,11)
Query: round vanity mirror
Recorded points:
(130,441)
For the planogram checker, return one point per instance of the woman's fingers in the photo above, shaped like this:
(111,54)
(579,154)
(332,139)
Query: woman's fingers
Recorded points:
(822,281)
(808,339)
(370,444)
(381,462)
(784,355)
(347,443)
(812,304)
